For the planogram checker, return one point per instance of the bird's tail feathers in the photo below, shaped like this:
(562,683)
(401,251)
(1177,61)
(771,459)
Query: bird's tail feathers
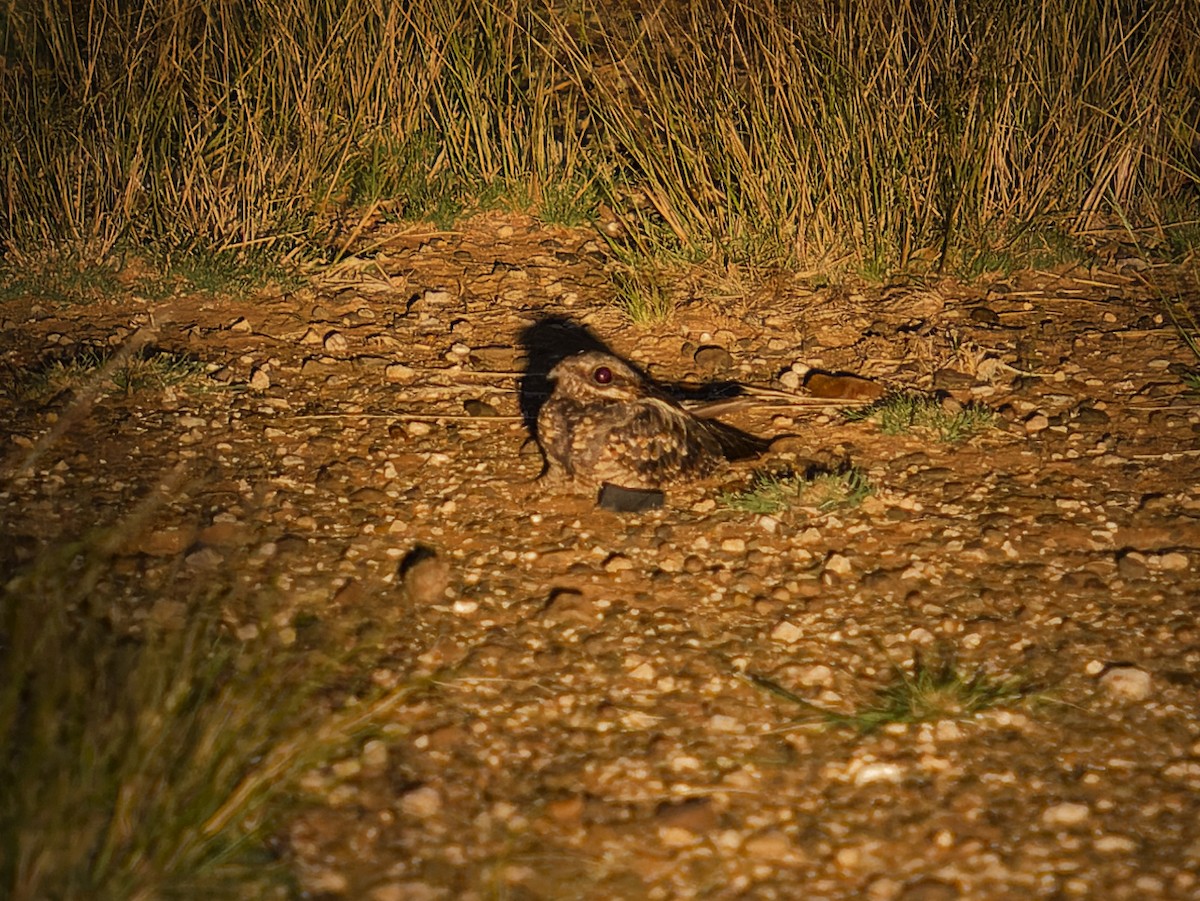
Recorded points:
(736,444)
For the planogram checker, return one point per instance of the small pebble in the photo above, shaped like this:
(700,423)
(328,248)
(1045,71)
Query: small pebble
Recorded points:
(768,846)
(1068,813)
(618,563)
(1038,422)
(426,579)
(713,359)
(787,632)
(838,565)
(1114,844)
(398,372)
(878,771)
(422,803)
(1127,683)
(1173,561)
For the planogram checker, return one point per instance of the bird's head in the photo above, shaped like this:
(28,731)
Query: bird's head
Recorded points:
(597,376)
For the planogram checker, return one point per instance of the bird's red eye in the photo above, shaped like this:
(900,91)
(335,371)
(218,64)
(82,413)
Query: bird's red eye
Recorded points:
(602,375)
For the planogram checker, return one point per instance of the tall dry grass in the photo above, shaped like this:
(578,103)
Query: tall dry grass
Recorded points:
(883,131)
(232,124)
(887,128)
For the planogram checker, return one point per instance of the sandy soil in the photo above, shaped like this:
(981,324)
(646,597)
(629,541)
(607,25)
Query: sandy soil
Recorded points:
(592,732)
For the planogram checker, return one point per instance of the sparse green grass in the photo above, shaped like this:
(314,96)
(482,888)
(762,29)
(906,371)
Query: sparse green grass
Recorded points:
(1032,245)
(65,278)
(151,369)
(1183,240)
(931,691)
(903,412)
(771,493)
(568,204)
(1187,326)
(642,297)
(228,273)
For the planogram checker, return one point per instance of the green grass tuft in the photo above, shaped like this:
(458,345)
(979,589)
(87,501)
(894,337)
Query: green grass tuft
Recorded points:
(151,369)
(771,493)
(1187,325)
(904,412)
(642,298)
(568,204)
(226,273)
(62,278)
(930,692)
(68,277)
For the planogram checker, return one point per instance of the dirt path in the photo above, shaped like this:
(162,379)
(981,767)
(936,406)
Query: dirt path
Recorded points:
(593,733)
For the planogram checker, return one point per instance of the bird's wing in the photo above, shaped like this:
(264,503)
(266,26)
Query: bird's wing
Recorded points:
(661,443)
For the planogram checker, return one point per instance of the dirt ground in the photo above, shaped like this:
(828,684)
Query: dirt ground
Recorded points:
(592,732)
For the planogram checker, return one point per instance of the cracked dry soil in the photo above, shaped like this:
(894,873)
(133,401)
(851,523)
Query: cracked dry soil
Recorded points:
(592,733)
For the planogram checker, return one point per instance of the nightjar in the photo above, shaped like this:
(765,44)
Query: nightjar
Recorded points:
(603,422)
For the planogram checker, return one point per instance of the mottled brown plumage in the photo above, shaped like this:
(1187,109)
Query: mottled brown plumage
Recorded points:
(604,422)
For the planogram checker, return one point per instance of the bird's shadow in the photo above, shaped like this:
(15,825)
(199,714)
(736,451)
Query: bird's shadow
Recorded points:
(546,343)
(552,339)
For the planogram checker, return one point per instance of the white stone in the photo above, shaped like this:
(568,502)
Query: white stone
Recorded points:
(1068,813)
(1127,682)
(879,771)
(838,564)
(423,802)
(1173,561)
(817,674)
(787,632)
(721,723)
(643,673)
(1115,844)
(398,372)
